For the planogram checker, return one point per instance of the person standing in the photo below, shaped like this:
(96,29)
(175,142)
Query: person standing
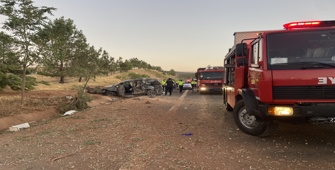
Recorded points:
(180,84)
(163,84)
(169,86)
(193,84)
(176,84)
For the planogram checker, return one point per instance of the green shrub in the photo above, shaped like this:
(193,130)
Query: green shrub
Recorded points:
(79,102)
(134,76)
(14,82)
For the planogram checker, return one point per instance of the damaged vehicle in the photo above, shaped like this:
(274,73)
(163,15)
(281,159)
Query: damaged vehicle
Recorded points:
(134,87)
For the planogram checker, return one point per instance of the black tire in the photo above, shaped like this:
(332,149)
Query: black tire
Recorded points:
(151,93)
(251,124)
(111,93)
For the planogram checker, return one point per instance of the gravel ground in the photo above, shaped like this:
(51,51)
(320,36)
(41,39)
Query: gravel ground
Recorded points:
(165,132)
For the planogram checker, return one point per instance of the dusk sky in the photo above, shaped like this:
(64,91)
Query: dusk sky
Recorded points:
(180,34)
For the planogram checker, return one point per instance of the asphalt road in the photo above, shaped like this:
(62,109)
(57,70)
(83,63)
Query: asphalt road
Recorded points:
(293,146)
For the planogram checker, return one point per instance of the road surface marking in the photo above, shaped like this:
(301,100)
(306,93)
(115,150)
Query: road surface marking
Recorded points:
(176,106)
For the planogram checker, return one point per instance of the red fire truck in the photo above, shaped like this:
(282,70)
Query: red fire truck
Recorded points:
(281,75)
(209,79)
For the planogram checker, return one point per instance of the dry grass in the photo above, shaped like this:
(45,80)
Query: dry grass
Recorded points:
(11,105)
(51,95)
(98,81)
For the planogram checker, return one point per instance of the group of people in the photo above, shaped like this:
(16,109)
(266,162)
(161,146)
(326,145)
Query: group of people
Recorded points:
(169,84)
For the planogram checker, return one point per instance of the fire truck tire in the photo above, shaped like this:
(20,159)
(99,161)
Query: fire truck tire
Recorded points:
(250,124)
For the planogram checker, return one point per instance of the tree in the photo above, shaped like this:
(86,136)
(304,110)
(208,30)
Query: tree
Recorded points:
(58,42)
(106,63)
(172,72)
(7,55)
(112,68)
(9,67)
(8,62)
(91,66)
(125,66)
(23,21)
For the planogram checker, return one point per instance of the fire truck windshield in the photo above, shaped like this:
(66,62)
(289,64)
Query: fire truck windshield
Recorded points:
(301,50)
(211,75)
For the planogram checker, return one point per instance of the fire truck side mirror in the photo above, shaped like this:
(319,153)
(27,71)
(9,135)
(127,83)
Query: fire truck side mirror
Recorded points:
(241,61)
(241,49)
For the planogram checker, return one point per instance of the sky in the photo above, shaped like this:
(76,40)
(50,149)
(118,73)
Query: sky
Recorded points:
(182,35)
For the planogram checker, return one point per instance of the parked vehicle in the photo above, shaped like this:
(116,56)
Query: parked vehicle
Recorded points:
(285,75)
(134,87)
(187,86)
(209,79)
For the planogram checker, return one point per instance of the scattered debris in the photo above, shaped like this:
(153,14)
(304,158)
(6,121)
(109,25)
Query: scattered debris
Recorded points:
(19,127)
(94,90)
(60,157)
(114,99)
(69,97)
(187,134)
(70,112)
(147,102)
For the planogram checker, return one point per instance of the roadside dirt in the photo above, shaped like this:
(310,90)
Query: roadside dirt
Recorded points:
(164,132)
(105,136)
(31,112)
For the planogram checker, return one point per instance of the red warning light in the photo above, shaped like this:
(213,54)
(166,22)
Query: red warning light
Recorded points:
(306,24)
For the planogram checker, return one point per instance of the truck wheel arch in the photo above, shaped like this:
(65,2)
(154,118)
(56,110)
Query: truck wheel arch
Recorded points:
(250,101)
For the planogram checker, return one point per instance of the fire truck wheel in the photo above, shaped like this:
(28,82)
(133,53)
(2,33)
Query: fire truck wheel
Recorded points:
(251,124)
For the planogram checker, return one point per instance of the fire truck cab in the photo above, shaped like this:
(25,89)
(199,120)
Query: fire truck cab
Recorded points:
(209,79)
(281,75)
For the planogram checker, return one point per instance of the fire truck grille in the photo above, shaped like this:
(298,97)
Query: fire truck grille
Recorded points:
(304,92)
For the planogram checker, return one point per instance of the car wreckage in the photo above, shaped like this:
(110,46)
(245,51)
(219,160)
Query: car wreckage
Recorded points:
(130,88)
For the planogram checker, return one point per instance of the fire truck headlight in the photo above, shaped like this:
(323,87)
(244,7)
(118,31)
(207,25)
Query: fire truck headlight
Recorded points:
(280,111)
(203,88)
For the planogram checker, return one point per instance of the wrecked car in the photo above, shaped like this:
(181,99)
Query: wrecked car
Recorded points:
(134,87)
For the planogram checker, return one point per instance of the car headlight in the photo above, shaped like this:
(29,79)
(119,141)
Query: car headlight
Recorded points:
(280,111)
